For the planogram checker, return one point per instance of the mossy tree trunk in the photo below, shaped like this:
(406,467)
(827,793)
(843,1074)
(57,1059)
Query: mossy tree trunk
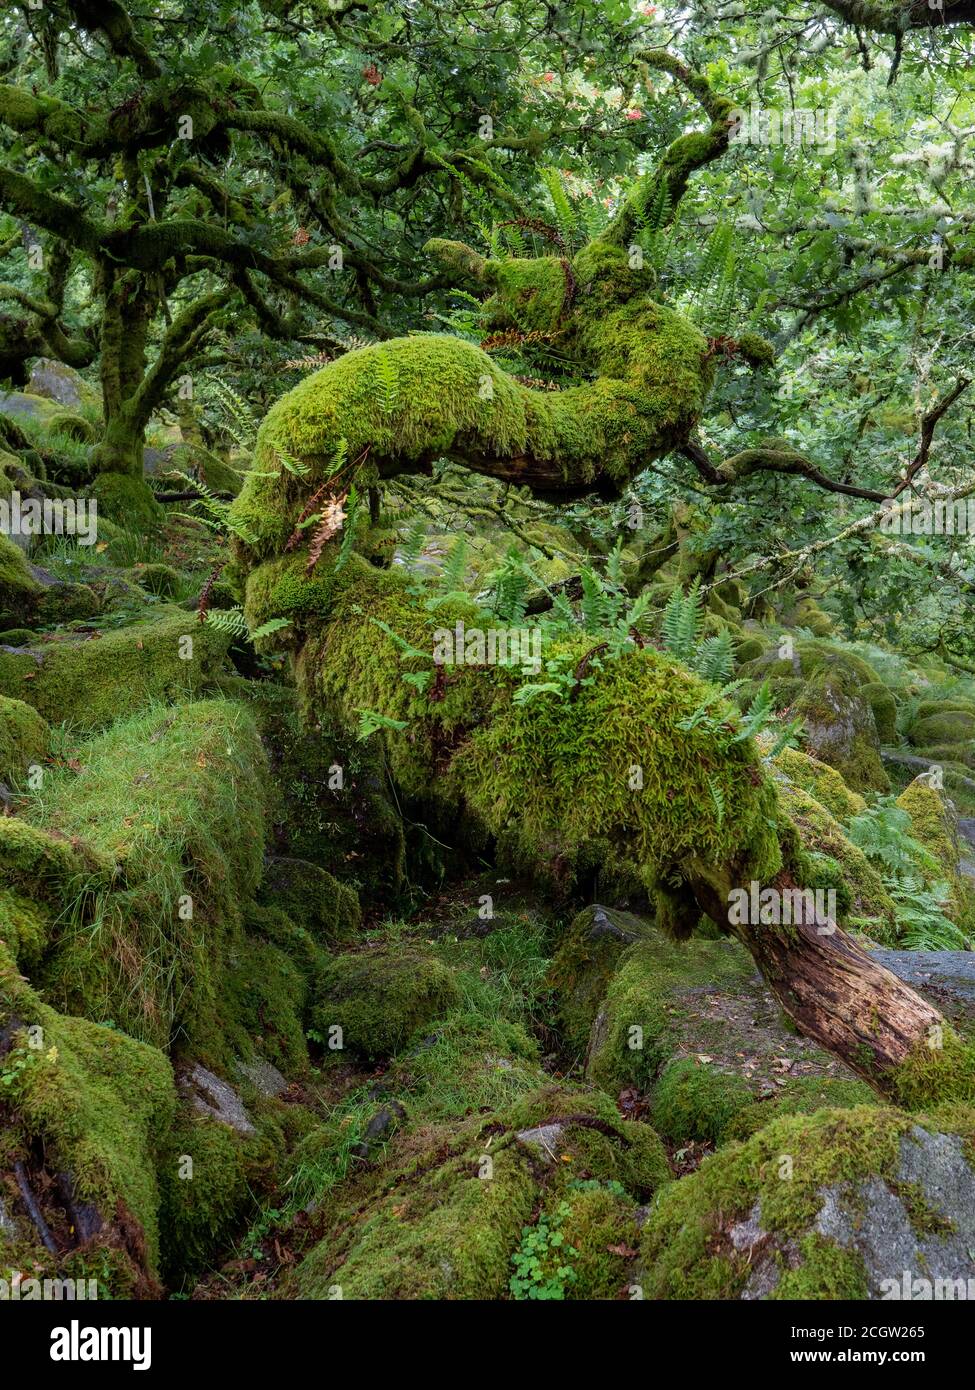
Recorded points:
(838,995)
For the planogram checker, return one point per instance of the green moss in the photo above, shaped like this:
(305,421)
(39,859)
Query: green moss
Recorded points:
(587,956)
(686,1248)
(452,1205)
(73,426)
(821,781)
(99,1102)
(651,367)
(801,1095)
(756,350)
(959,705)
(820,833)
(884,707)
(933,826)
(937,1071)
(90,681)
(382,998)
(159,579)
(126,499)
(840,729)
(692,1100)
(175,800)
(825,1272)
(749,648)
(951,726)
(210,1179)
(329,910)
(24,739)
(600,1226)
(19,590)
(638,1027)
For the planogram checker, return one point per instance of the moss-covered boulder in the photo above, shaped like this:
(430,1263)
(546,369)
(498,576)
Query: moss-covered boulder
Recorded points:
(84,1115)
(584,964)
(821,781)
(842,1204)
(210,1179)
(948,726)
(469,1211)
(381,998)
(92,679)
(839,729)
(693,1028)
(175,801)
(312,897)
(935,827)
(19,590)
(694,1099)
(862,900)
(24,739)
(884,707)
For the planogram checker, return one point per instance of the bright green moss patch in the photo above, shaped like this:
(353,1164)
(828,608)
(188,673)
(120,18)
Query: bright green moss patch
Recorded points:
(24,739)
(639,1025)
(175,798)
(691,1101)
(381,998)
(691,1248)
(91,680)
(99,1102)
(821,781)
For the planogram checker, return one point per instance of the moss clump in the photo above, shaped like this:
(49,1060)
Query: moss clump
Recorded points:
(583,966)
(19,590)
(691,1248)
(98,1102)
(159,579)
(329,910)
(382,998)
(24,739)
(91,681)
(884,707)
(128,500)
(749,649)
(802,1095)
(756,350)
(175,801)
(959,705)
(948,727)
(870,905)
(821,781)
(72,426)
(696,1101)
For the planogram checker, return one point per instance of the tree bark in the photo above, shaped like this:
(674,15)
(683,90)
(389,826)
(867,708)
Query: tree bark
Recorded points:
(835,993)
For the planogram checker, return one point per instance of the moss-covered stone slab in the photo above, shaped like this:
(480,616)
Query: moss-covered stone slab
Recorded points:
(91,679)
(843,1204)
